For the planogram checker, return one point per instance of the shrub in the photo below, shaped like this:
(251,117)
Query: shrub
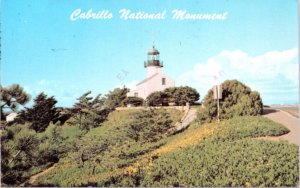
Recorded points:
(51,146)
(116,97)
(237,100)
(178,95)
(230,158)
(17,153)
(157,98)
(182,95)
(239,163)
(102,150)
(149,125)
(134,101)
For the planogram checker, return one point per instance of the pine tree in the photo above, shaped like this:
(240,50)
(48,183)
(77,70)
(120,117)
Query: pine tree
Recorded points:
(41,114)
(89,112)
(116,97)
(11,97)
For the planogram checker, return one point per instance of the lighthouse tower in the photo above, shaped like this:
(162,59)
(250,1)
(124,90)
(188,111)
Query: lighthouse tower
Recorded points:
(153,63)
(155,80)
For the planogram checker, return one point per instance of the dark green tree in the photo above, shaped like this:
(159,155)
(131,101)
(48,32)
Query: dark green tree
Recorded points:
(237,100)
(18,153)
(115,98)
(89,112)
(182,95)
(157,98)
(134,101)
(149,125)
(41,114)
(11,97)
(51,146)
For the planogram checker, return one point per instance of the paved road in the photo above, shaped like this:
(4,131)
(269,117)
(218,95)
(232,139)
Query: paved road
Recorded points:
(289,121)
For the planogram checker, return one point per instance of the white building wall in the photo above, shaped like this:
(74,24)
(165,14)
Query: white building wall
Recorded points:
(151,70)
(152,85)
(11,117)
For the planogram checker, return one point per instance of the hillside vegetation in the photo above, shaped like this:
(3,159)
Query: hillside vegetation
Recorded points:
(212,154)
(94,144)
(229,157)
(120,141)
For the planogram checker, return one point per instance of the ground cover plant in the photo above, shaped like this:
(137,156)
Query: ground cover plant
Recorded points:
(229,157)
(119,142)
(226,155)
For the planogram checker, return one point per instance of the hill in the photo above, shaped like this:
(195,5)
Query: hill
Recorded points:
(224,154)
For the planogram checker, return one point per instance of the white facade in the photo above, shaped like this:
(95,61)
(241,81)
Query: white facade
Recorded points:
(155,80)
(11,117)
(153,70)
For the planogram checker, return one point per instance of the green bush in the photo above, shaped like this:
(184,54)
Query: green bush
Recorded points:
(177,95)
(51,146)
(116,97)
(24,151)
(239,163)
(237,100)
(18,151)
(157,98)
(134,101)
(112,146)
(228,158)
(250,126)
(182,95)
(149,125)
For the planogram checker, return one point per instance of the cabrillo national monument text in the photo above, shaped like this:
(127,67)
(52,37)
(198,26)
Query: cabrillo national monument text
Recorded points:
(126,14)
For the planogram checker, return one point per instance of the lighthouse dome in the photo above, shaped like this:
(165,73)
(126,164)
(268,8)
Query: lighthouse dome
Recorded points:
(153,51)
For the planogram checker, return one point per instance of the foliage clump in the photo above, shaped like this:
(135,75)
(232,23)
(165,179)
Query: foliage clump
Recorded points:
(116,97)
(126,136)
(237,100)
(24,151)
(174,95)
(133,101)
(239,163)
(11,97)
(149,125)
(157,98)
(231,157)
(89,112)
(41,114)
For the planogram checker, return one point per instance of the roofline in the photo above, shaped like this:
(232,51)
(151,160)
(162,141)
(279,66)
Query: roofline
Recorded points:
(149,78)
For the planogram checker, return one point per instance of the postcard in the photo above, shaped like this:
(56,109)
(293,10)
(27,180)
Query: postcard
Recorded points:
(198,93)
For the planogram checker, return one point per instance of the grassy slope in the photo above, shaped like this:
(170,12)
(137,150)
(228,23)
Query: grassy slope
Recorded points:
(179,153)
(230,158)
(111,137)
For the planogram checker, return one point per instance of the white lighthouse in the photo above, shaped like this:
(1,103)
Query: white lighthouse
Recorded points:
(153,64)
(155,80)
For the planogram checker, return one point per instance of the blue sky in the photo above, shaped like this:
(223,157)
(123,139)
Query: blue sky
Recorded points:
(43,50)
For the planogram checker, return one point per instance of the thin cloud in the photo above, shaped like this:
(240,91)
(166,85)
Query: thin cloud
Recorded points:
(265,73)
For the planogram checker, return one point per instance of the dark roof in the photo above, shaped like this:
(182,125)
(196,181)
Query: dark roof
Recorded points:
(153,51)
(145,80)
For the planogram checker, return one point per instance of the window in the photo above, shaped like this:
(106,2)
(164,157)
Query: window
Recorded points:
(136,94)
(163,81)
